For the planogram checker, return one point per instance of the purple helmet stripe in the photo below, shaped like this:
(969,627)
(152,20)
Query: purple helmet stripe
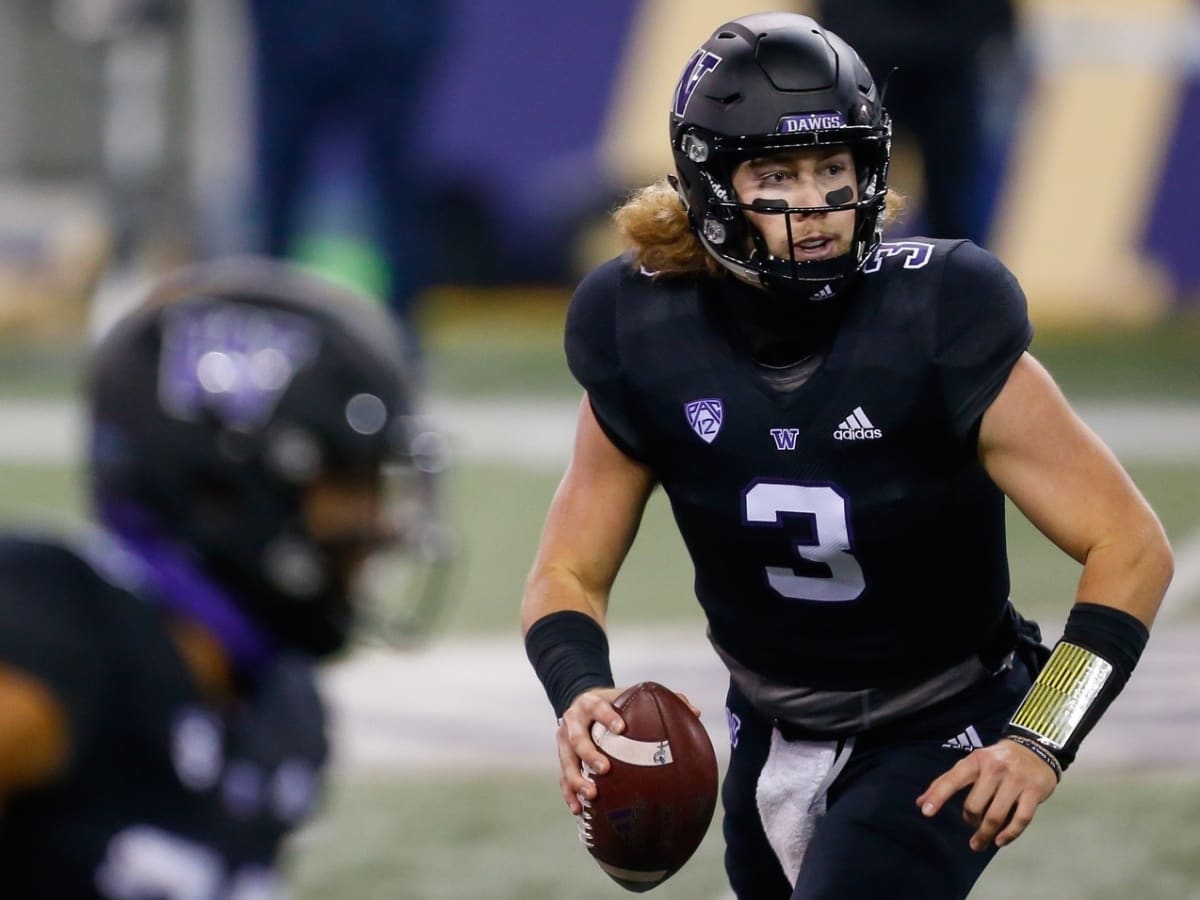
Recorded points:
(701,63)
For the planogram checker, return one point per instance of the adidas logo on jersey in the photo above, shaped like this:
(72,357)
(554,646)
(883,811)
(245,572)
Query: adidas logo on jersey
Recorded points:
(967,740)
(857,427)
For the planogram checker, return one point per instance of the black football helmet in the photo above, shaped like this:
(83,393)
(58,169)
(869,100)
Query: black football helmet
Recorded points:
(215,406)
(766,83)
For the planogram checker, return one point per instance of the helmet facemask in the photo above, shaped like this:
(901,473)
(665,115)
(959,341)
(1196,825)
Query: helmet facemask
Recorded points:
(741,248)
(401,592)
(766,84)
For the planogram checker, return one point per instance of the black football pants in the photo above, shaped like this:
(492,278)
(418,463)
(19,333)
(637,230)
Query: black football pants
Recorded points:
(872,843)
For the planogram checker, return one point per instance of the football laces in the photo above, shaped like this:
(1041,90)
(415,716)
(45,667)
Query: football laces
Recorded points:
(584,820)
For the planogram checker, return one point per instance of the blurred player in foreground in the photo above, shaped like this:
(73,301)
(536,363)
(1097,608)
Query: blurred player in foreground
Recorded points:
(160,732)
(836,421)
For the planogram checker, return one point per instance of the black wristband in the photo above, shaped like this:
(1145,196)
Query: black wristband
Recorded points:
(569,653)
(1108,632)
(1072,693)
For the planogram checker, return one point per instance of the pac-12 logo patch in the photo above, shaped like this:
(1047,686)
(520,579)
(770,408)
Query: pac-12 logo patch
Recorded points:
(701,63)
(705,417)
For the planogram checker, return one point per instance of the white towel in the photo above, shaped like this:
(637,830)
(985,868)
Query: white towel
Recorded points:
(791,794)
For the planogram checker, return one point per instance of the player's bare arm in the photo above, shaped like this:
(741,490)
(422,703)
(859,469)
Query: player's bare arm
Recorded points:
(589,528)
(33,732)
(1071,487)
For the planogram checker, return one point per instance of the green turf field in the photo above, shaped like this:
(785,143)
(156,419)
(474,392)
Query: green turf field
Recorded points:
(488,346)
(1101,837)
(498,511)
(497,835)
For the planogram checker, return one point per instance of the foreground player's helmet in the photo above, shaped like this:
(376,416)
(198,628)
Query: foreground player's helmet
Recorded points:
(767,83)
(217,404)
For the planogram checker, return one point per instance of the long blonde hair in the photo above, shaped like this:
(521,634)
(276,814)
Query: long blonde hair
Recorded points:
(654,230)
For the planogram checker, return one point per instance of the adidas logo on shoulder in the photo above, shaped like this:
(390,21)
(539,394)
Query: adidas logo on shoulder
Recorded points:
(857,427)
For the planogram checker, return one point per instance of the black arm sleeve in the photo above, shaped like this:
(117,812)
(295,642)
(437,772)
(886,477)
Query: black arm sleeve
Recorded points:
(982,329)
(593,356)
(48,629)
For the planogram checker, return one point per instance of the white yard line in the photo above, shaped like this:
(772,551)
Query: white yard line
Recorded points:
(537,433)
(405,710)
(397,712)
(1185,586)
(520,431)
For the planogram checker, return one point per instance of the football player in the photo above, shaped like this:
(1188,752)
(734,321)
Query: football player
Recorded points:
(836,421)
(160,733)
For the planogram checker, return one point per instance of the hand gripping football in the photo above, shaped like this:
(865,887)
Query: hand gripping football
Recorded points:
(656,801)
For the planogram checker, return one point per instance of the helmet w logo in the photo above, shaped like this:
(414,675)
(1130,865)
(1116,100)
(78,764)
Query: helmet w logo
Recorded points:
(235,363)
(701,63)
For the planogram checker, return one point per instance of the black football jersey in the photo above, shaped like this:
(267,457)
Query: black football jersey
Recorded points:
(843,533)
(163,796)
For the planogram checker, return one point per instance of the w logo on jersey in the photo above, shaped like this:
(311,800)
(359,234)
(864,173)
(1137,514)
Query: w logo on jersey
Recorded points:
(785,438)
(701,63)
(705,417)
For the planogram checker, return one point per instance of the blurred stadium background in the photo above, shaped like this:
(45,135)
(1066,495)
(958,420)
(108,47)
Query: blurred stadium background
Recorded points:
(125,150)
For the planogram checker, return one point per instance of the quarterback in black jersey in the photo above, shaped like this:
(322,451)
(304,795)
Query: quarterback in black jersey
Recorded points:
(836,421)
(160,731)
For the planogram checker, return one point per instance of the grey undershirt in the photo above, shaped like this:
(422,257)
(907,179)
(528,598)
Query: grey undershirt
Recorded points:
(848,712)
(788,378)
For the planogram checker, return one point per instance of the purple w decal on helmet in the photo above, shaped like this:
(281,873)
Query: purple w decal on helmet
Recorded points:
(701,63)
(234,362)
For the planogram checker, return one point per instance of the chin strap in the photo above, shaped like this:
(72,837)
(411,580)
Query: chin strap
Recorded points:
(165,574)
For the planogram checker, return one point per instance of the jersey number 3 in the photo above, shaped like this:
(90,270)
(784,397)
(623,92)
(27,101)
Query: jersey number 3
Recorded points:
(770,503)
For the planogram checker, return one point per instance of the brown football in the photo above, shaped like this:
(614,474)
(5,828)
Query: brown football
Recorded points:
(654,804)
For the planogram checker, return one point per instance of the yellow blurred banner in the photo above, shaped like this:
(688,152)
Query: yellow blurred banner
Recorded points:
(663,36)
(1089,157)
(1088,154)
